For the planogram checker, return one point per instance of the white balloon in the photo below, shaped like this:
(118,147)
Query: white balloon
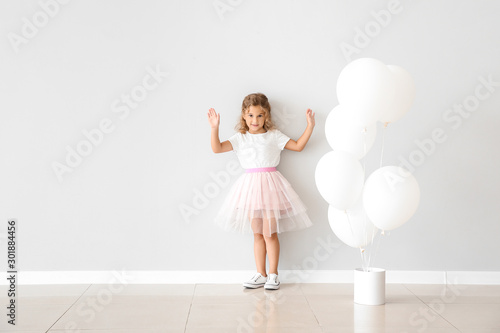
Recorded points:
(366,87)
(404,95)
(339,178)
(344,133)
(352,227)
(391,196)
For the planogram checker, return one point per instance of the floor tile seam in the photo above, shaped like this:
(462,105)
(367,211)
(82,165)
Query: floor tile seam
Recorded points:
(430,308)
(274,327)
(220,303)
(438,314)
(146,299)
(314,298)
(455,302)
(467,303)
(311,309)
(401,327)
(421,300)
(83,293)
(244,300)
(242,294)
(190,306)
(299,286)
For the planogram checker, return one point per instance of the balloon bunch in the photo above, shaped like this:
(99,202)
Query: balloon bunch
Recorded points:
(368,92)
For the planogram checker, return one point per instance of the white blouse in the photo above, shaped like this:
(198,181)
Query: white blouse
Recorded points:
(259,150)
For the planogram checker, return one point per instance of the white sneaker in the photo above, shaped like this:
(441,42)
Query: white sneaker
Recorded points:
(256,281)
(272,282)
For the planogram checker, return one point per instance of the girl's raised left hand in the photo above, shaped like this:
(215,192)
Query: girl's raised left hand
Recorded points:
(310,118)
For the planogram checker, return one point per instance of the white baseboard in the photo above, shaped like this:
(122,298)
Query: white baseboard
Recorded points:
(286,276)
(473,277)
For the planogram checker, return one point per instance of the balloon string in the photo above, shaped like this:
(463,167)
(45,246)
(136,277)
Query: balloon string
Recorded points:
(361,250)
(383,143)
(382,233)
(364,151)
(349,221)
(365,233)
(363,260)
(372,239)
(381,161)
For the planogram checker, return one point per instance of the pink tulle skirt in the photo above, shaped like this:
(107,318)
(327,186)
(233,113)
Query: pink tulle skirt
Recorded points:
(264,203)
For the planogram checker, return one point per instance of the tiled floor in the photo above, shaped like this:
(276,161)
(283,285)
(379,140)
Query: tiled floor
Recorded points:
(294,308)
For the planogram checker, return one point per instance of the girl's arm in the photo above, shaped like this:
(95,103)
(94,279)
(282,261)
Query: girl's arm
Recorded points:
(217,146)
(302,141)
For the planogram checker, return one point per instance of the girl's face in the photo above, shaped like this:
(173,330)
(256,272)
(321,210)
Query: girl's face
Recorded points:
(255,118)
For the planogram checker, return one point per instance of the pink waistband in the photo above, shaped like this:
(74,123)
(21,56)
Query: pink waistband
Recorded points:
(270,169)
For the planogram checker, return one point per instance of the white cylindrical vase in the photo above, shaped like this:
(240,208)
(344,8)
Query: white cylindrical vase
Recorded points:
(369,286)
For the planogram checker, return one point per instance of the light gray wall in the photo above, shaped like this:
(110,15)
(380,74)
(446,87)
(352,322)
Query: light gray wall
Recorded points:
(120,208)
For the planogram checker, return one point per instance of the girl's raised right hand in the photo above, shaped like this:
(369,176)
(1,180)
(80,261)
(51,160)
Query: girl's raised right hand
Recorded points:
(213,118)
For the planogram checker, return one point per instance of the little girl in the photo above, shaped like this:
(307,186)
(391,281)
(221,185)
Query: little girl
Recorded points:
(261,201)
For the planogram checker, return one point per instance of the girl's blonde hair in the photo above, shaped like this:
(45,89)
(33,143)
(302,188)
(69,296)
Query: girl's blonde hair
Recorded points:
(256,99)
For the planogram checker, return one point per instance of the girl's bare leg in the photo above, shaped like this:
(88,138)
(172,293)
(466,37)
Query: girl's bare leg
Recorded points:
(259,247)
(272,244)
